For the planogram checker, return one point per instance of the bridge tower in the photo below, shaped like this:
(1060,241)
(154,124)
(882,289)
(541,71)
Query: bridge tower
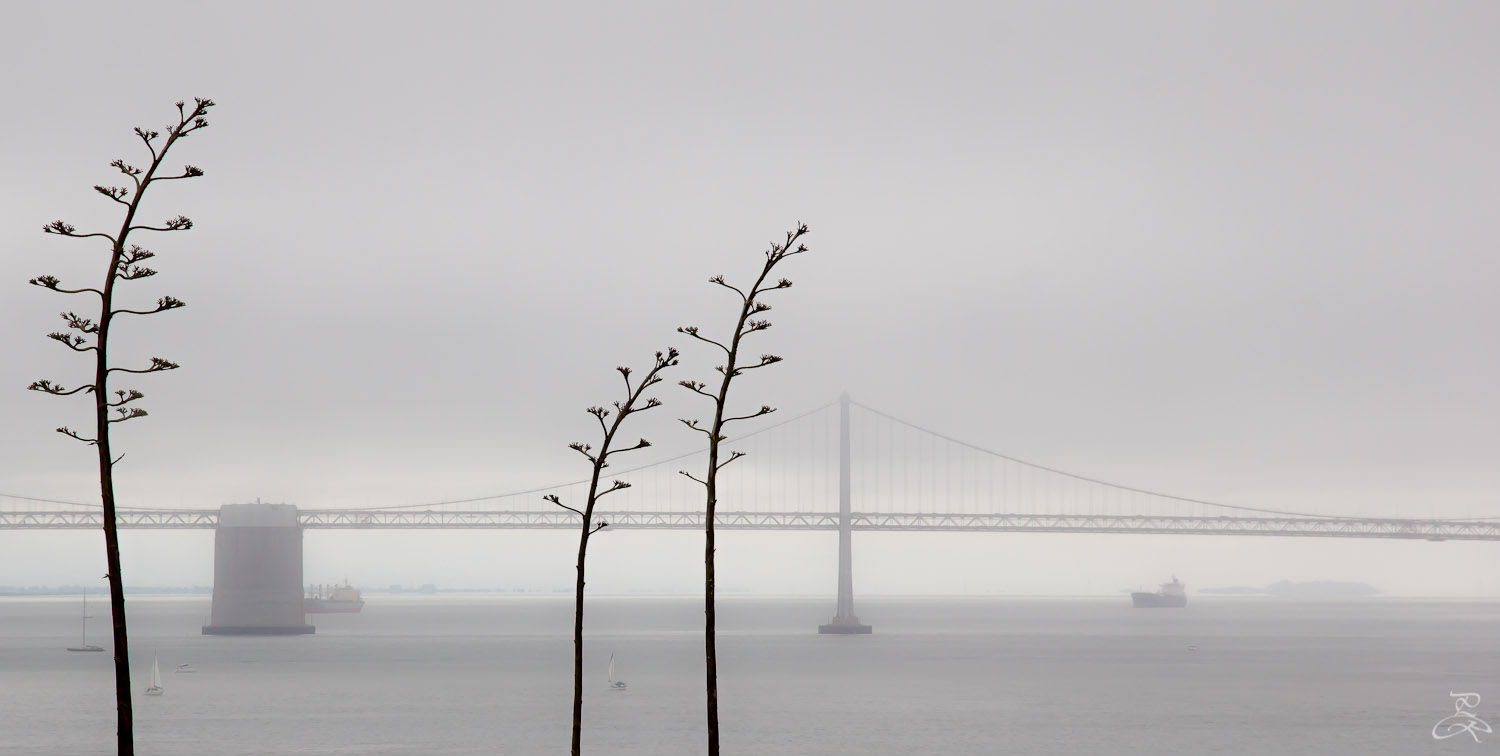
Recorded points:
(844,622)
(258,572)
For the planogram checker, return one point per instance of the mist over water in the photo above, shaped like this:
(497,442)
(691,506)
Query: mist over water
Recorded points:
(485,674)
(1234,253)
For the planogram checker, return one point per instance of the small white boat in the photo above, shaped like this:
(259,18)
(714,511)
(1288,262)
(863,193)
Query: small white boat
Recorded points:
(155,689)
(613,683)
(183,668)
(1192,647)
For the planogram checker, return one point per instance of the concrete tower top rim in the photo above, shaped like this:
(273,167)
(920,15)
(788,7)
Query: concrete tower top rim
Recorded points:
(258,515)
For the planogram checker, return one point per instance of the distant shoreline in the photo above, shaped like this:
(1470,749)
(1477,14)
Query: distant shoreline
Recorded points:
(45,592)
(1310,589)
(74,590)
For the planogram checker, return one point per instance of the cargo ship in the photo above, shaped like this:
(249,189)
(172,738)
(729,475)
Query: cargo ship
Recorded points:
(1173,594)
(332,599)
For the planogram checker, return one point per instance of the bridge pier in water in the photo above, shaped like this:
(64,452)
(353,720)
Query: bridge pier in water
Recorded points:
(258,572)
(845,622)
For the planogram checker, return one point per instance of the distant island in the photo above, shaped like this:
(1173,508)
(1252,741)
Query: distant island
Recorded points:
(1289,589)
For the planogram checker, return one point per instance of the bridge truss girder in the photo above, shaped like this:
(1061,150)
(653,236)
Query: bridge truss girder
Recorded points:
(1436,530)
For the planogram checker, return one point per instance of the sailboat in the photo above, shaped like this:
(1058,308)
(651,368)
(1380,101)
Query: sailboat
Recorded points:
(613,683)
(84,628)
(155,689)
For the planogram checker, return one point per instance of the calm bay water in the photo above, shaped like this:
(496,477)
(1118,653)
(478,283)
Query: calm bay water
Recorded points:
(490,674)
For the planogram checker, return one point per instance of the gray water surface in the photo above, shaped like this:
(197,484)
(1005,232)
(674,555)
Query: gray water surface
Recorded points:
(489,673)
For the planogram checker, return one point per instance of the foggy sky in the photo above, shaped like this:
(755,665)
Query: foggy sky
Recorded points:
(1240,253)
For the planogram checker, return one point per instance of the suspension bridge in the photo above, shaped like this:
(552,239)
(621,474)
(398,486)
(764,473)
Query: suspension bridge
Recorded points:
(844,466)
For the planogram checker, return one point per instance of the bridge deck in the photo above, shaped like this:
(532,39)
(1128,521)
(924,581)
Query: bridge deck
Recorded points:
(1320,527)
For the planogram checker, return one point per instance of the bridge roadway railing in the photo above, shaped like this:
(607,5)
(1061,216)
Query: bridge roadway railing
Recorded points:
(75,519)
(409,519)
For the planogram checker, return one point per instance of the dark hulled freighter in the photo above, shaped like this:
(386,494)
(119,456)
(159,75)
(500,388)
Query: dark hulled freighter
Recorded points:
(1173,594)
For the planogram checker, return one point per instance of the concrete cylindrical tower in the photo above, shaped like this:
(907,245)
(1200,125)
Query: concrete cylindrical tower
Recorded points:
(258,572)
